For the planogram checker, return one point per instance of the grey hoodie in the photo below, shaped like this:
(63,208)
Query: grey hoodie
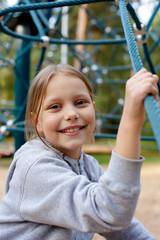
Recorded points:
(50,196)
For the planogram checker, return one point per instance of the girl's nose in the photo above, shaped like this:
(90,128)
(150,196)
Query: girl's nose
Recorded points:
(71,114)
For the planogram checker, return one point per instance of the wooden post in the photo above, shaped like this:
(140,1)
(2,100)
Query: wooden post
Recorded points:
(81,32)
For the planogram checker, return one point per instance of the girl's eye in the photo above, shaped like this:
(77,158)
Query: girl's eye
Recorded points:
(55,107)
(81,102)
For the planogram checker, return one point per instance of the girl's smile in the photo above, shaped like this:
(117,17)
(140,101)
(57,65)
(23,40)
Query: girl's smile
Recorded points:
(72,130)
(67,116)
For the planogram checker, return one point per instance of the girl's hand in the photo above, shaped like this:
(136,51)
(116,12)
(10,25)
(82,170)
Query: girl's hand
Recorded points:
(133,117)
(138,87)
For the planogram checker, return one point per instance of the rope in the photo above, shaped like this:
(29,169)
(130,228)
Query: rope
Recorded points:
(42,56)
(61,41)
(139,27)
(35,6)
(151,106)
(37,23)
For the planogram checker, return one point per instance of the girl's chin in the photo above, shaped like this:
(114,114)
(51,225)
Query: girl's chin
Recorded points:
(72,151)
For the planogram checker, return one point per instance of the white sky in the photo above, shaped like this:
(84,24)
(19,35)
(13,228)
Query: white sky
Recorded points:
(145,11)
(11,2)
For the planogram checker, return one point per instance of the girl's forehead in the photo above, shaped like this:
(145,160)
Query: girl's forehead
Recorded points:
(65,75)
(66,79)
(62,84)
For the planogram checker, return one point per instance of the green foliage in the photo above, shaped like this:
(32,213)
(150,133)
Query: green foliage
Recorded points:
(6,84)
(105,95)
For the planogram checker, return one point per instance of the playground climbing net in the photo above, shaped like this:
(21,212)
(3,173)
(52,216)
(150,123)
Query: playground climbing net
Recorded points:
(46,30)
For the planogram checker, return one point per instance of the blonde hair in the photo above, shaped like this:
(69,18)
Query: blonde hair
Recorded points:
(37,92)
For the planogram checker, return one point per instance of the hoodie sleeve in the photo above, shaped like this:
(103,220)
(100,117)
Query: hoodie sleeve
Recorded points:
(136,230)
(53,194)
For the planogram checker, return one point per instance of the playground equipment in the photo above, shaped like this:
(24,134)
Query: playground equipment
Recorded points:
(42,27)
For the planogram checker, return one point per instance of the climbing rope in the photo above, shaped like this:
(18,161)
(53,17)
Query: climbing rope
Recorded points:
(141,32)
(151,105)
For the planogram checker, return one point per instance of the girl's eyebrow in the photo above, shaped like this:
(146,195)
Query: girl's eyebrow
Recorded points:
(76,95)
(83,94)
(53,99)
(49,101)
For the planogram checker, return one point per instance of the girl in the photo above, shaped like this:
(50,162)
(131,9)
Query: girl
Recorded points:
(56,192)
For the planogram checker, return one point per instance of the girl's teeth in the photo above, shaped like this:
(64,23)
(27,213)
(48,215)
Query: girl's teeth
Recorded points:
(71,130)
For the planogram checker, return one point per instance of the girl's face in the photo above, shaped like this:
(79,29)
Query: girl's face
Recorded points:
(67,116)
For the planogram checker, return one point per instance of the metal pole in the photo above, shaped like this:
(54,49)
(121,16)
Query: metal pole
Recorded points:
(64,31)
(22,76)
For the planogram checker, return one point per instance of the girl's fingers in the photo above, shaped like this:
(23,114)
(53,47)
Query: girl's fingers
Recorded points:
(143,70)
(142,85)
(151,86)
(143,74)
(156,78)
(144,77)
(155,92)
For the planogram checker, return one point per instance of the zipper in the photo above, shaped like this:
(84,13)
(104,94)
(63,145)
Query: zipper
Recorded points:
(79,167)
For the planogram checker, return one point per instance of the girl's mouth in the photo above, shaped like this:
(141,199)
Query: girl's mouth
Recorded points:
(75,129)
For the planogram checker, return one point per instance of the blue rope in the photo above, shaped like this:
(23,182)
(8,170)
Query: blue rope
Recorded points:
(139,27)
(36,21)
(42,56)
(38,6)
(133,51)
(46,5)
(151,106)
(59,41)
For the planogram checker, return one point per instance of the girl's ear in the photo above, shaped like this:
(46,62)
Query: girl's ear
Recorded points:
(36,123)
(94,105)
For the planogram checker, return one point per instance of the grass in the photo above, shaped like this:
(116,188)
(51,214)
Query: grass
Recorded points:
(150,157)
(5,162)
(102,158)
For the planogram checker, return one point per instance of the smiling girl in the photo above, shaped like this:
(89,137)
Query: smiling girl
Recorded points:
(54,191)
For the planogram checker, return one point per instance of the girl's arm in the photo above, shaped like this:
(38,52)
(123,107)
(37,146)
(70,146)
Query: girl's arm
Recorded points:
(133,117)
(136,231)
(52,194)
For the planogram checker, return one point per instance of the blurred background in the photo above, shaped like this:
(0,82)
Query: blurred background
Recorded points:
(91,38)
(103,58)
